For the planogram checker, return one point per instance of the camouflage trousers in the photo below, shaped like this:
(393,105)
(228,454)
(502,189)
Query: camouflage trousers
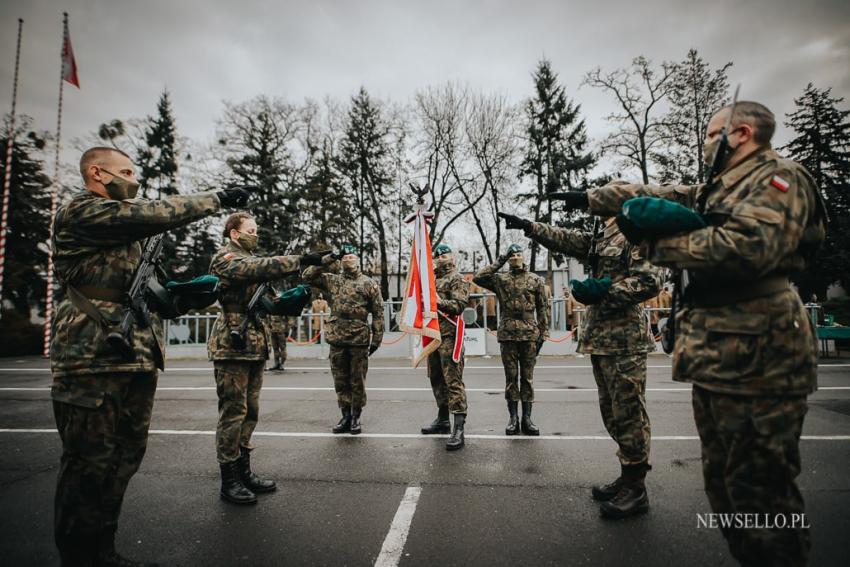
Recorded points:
(446,377)
(621,383)
(349,365)
(238,384)
(750,460)
(279,347)
(104,438)
(519,358)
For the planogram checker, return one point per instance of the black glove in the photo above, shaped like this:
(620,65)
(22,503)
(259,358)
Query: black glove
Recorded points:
(630,230)
(312,258)
(573,200)
(235,197)
(514,222)
(540,345)
(373,347)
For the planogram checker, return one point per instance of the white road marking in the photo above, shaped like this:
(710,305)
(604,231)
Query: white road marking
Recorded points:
(390,553)
(322,434)
(380,389)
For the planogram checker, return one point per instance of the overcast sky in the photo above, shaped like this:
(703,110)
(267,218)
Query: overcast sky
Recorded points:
(204,52)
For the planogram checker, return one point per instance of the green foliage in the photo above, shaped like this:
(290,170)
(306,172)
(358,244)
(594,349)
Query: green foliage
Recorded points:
(364,159)
(29,220)
(557,155)
(255,137)
(822,145)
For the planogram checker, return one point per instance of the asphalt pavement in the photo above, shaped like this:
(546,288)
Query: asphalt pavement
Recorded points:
(394,497)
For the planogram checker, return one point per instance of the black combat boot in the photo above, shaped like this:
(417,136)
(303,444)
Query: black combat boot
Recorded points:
(632,499)
(344,425)
(456,441)
(77,551)
(610,490)
(356,428)
(528,426)
(108,557)
(513,421)
(441,424)
(251,481)
(232,488)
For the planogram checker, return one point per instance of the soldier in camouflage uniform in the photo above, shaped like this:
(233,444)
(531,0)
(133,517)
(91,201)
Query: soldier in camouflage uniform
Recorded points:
(352,296)
(614,333)
(279,327)
(445,374)
(102,403)
(743,337)
(520,294)
(239,371)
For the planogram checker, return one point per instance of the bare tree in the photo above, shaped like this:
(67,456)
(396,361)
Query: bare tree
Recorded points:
(493,146)
(639,91)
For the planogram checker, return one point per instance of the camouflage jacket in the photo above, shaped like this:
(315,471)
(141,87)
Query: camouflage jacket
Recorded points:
(96,245)
(240,273)
(520,294)
(616,325)
(766,219)
(280,325)
(352,297)
(452,299)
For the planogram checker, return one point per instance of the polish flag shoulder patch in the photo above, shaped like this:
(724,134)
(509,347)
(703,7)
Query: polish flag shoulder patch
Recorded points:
(780,183)
(229,256)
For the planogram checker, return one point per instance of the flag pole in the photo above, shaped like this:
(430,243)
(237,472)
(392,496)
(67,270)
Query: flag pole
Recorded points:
(7,177)
(54,197)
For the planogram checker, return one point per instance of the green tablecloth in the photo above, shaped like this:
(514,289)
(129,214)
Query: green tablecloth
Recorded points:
(832,333)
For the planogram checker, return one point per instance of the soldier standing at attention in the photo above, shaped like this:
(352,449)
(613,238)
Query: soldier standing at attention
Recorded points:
(239,371)
(102,402)
(445,374)
(614,333)
(279,327)
(352,296)
(520,294)
(743,337)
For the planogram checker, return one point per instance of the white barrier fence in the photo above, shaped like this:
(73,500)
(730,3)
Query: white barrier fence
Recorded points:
(187,336)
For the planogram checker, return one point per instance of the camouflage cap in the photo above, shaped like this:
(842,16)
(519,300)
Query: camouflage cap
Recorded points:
(514,248)
(348,249)
(442,249)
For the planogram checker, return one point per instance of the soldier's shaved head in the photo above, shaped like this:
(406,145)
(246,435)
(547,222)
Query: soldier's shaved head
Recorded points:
(754,114)
(96,156)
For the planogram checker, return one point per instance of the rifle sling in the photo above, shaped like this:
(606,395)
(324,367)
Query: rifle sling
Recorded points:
(80,298)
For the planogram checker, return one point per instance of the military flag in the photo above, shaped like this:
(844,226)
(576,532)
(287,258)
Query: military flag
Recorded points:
(419,309)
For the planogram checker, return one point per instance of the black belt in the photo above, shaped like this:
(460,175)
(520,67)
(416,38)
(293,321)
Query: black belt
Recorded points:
(740,292)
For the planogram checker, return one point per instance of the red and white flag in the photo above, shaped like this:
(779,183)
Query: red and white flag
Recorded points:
(69,64)
(419,310)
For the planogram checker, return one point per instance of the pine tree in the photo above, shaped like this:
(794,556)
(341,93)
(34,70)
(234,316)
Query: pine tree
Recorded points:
(255,136)
(332,220)
(29,221)
(158,159)
(557,155)
(696,92)
(822,145)
(365,157)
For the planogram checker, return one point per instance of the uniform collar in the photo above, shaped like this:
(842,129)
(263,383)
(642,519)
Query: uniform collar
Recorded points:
(741,170)
(233,247)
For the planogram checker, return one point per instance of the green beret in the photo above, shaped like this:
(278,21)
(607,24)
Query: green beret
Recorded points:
(348,249)
(292,301)
(442,249)
(514,248)
(661,217)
